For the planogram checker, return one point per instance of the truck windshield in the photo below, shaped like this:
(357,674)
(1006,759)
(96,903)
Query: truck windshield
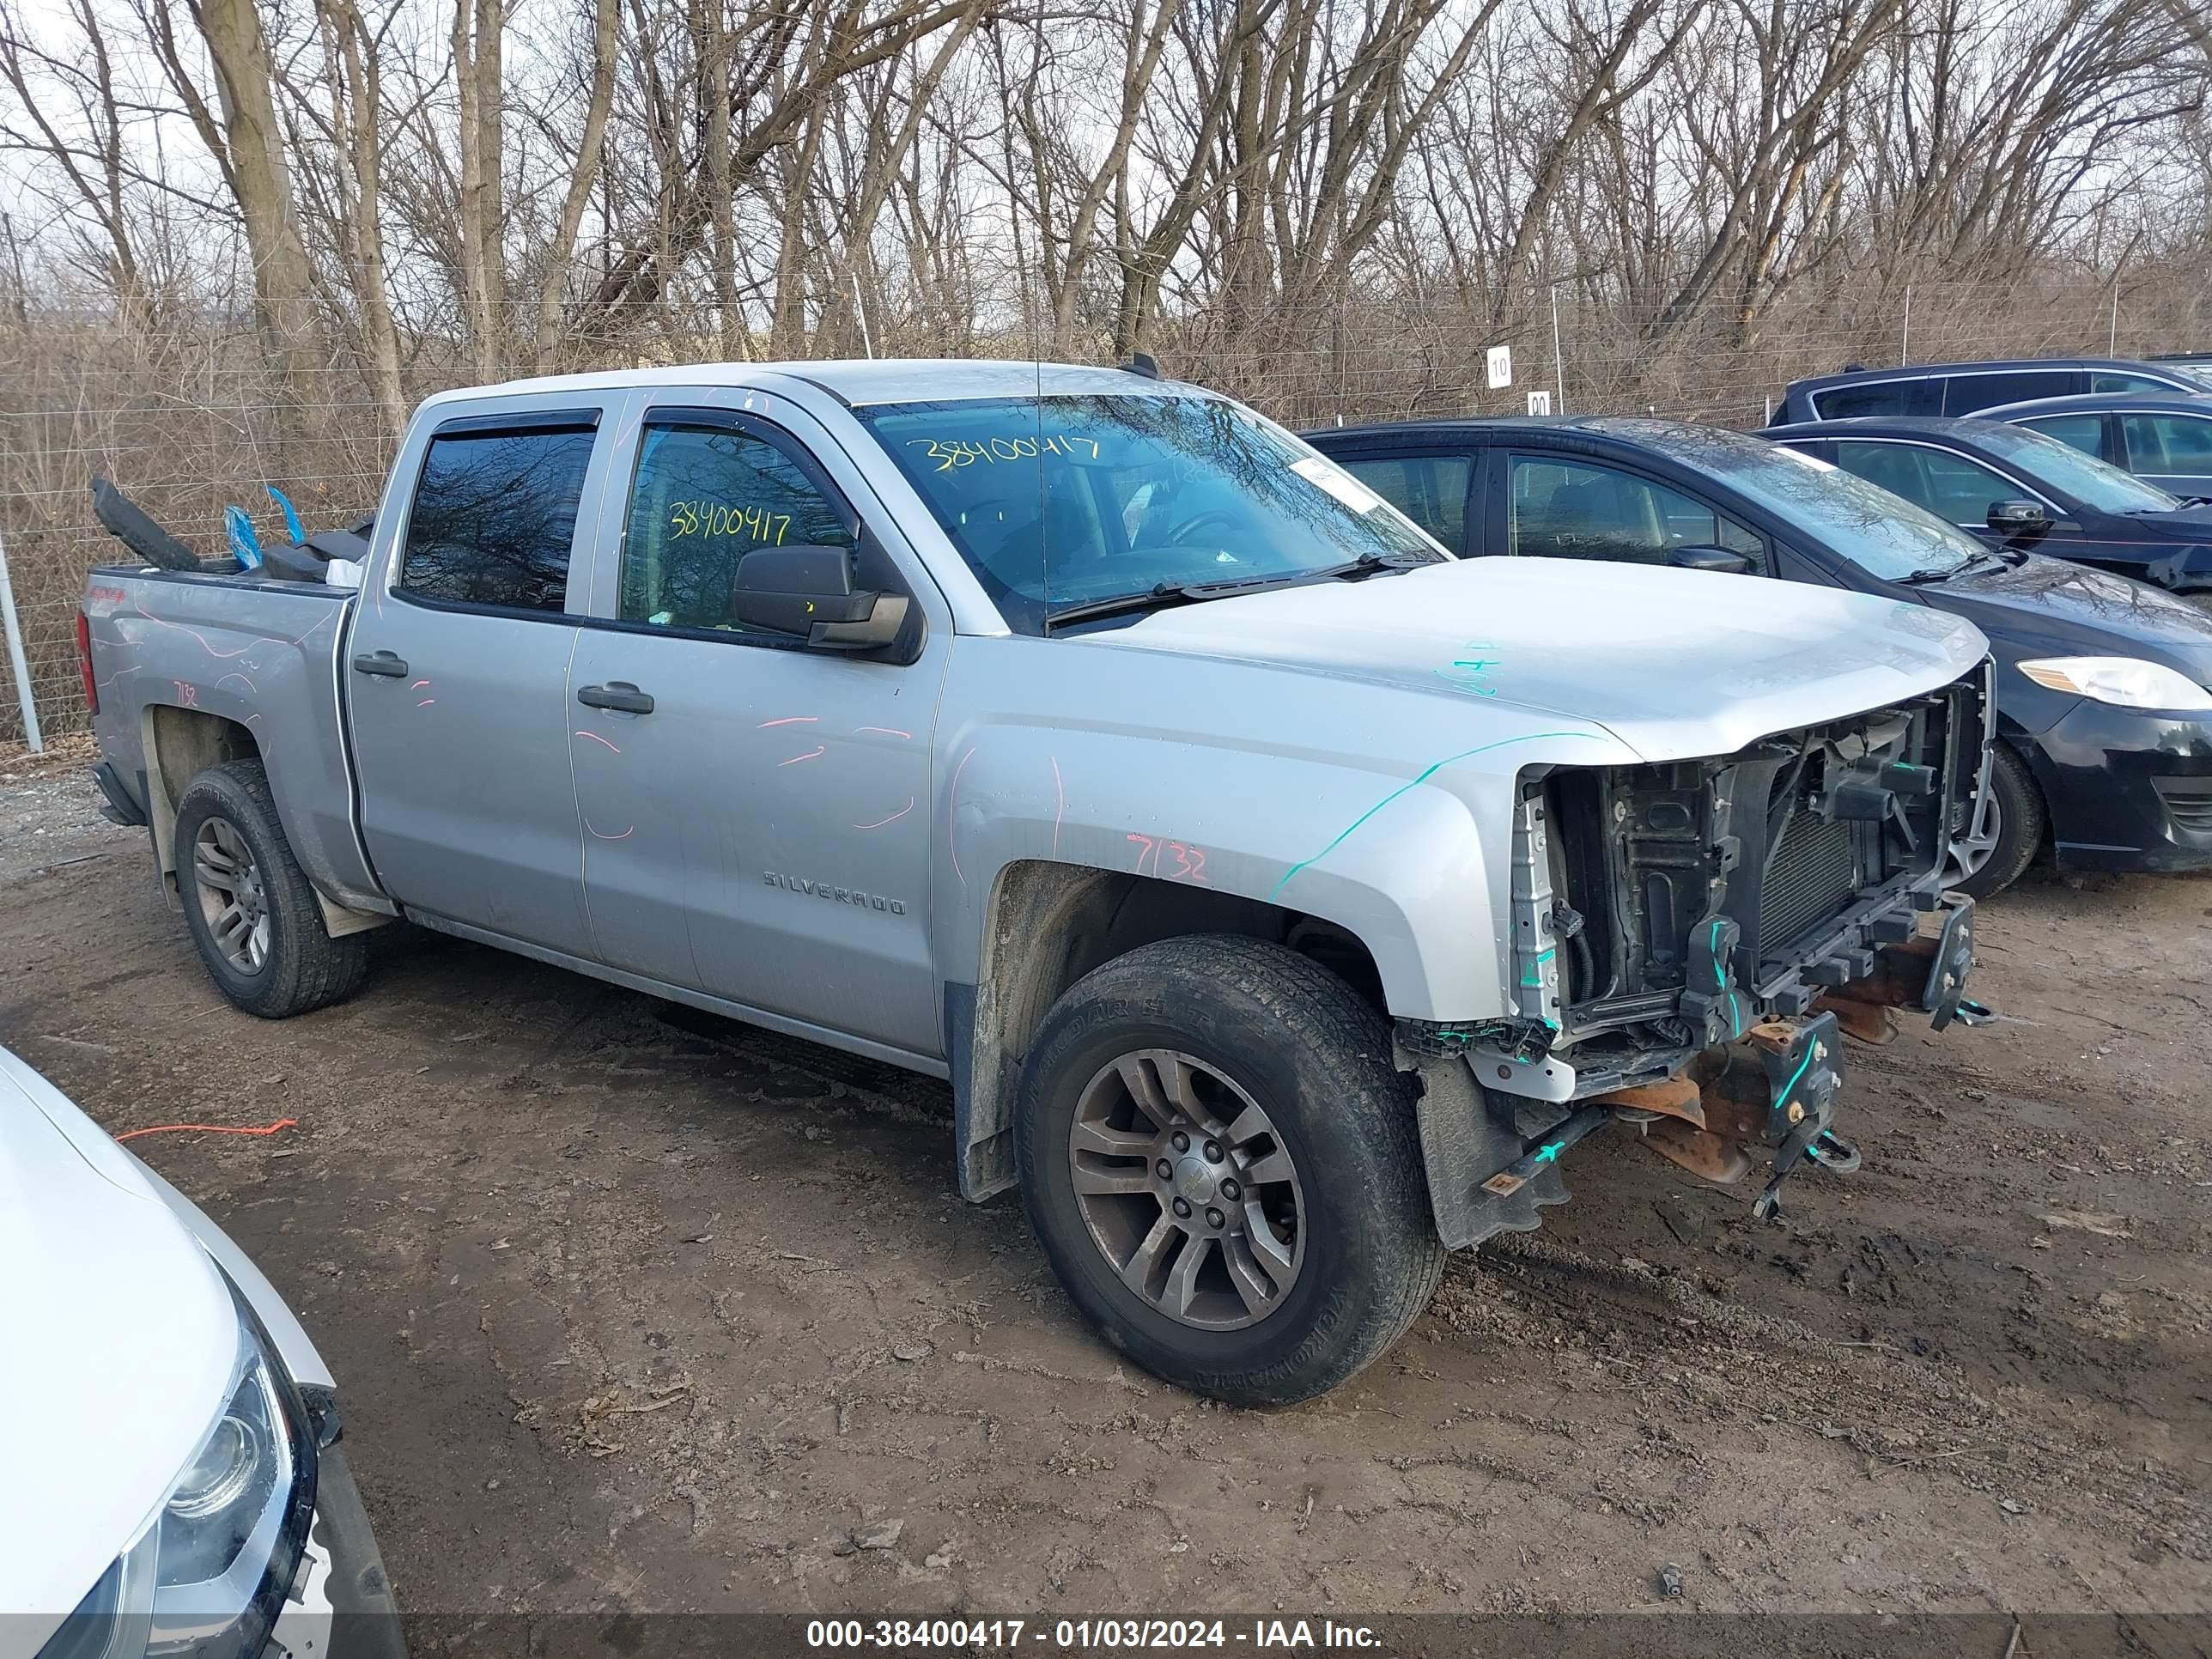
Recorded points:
(1061,501)
(1885,535)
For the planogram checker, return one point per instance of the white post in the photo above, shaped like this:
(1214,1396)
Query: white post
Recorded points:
(1559,359)
(15,631)
(1904,340)
(2112,343)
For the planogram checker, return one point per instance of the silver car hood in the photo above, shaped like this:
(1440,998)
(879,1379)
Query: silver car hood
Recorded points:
(1674,663)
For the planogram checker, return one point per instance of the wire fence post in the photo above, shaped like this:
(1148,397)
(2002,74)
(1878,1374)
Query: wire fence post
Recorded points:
(17,655)
(1559,359)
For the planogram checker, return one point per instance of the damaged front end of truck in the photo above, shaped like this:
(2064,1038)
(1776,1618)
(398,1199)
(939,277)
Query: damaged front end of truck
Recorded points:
(1690,941)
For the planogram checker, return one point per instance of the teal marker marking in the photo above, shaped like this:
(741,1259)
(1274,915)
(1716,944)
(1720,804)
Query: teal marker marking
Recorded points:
(1550,1154)
(1530,975)
(1735,1014)
(1450,760)
(1783,1099)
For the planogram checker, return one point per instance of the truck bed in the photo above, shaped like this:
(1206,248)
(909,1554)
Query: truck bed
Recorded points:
(246,665)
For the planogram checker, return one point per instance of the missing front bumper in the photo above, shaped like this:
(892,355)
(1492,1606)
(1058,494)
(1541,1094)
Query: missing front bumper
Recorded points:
(1772,1095)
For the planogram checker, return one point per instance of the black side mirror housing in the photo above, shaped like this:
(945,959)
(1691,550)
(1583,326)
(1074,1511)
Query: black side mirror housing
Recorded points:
(1727,562)
(809,592)
(2019,517)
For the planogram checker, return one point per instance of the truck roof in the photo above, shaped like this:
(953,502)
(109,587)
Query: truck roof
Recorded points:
(853,381)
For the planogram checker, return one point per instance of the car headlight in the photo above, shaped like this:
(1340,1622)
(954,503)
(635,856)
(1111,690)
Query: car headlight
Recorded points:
(2124,682)
(208,1575)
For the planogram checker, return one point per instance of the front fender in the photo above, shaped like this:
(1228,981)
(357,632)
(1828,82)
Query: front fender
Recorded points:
(1410,854)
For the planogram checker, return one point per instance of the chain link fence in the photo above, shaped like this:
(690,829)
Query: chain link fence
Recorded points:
(187,419)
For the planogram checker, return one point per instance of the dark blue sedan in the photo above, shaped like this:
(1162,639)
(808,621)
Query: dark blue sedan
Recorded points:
(2164,439)
(2104,718)
(2018,487)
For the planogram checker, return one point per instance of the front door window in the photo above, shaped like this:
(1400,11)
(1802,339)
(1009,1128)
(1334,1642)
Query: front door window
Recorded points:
(1575,510)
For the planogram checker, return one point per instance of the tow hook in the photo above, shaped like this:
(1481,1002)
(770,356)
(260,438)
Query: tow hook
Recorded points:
(1801,1062)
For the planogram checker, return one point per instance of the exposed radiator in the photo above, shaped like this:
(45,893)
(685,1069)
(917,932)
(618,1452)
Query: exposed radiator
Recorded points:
(1813,877)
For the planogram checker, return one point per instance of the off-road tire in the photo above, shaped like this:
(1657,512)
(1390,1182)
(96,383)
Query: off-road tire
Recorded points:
(304,968)
(2021,820)
(1302,1044)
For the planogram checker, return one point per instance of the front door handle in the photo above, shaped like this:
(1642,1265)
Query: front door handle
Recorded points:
(617,694)
(380,662)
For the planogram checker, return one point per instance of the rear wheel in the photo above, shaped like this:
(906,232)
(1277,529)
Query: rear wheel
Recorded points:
(253,915)
(1222,1162)
(1998,850)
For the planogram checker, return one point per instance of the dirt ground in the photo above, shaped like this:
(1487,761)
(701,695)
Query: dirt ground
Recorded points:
(632,1310)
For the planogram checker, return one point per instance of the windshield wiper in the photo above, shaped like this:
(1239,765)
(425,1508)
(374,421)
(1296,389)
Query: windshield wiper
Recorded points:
(1162,594)
(1367,564)
(1944,573)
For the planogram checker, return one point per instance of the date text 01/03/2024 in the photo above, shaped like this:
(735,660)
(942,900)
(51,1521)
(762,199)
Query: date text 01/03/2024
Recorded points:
(1083,1634)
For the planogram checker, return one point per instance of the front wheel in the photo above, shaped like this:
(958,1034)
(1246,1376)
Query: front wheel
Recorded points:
(1221,1164)
(252,912)
(2003,841)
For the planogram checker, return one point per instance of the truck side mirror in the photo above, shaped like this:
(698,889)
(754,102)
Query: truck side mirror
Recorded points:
(2019,517)
(1724,560)
(809,592)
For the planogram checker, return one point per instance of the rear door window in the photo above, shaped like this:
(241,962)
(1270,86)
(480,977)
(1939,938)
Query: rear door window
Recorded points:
(2107,380)
(1574,510)
(2086,433)
(1430,490)
(2168,443)
(1965,393)
(704,496)
(494,519)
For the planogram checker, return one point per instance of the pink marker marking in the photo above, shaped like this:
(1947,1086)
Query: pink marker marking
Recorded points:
(951,816)
(795,759)
(595,738)
(604,836)
(888,731)
(894,818)
(427,702)
(235,675)
(418,685)
(789,720)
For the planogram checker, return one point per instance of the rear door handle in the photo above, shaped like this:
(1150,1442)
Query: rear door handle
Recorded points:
(617,694)
(380,662)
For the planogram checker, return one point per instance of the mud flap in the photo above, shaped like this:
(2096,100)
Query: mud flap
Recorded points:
(1468,1137)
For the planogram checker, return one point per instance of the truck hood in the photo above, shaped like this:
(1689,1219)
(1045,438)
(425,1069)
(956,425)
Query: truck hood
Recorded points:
(1674,663)
(116,1338)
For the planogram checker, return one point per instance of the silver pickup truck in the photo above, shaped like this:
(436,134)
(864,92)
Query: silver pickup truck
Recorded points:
(1282,897)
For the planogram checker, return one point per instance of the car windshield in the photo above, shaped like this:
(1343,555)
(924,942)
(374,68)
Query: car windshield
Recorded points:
(1062,501)
(2068,471)
(1883,535)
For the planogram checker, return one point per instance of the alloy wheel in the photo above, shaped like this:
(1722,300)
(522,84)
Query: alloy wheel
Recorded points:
(232,900)
(1187,1189)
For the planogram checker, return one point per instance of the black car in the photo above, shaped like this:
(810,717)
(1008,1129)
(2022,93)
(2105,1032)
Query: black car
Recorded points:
(2105,722)
(1966,388)
(2010,485)
(2164,438)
